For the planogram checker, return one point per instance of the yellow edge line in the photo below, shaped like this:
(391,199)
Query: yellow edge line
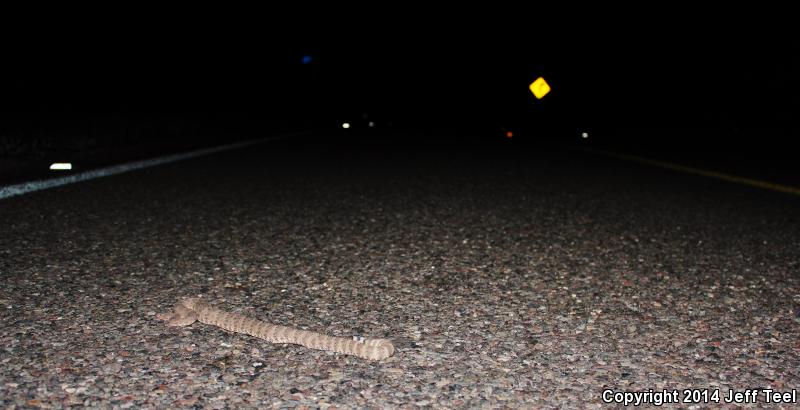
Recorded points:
(697,171)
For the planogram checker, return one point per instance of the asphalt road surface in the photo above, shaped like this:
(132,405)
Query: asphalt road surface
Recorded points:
(535,278)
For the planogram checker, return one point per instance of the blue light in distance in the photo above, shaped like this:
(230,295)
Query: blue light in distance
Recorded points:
(307,59)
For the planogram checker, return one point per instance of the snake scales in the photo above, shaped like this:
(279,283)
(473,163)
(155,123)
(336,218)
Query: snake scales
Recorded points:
(187,311)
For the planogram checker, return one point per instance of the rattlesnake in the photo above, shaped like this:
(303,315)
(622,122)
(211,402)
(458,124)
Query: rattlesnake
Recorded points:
(187,311)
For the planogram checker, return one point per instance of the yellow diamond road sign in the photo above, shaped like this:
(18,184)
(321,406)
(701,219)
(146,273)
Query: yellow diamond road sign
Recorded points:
(539,88)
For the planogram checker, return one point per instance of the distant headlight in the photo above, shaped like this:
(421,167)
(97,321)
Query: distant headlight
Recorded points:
(59,166)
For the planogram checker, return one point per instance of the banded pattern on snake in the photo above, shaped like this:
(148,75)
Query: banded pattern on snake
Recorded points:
(187,311)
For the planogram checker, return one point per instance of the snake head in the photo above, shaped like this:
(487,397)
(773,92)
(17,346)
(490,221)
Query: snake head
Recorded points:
(184,313)
(190,303)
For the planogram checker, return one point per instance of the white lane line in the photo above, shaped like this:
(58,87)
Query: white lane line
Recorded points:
(32,186)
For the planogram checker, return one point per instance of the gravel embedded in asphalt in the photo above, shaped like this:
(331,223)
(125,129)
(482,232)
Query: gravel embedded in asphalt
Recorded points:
(533,279)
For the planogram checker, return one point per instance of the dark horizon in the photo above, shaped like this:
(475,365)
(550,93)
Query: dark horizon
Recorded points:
(174,76)
(732,95)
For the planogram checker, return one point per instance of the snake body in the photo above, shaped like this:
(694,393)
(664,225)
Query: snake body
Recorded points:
(187,311)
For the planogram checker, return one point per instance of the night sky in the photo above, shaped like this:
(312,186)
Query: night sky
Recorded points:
(459,78)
